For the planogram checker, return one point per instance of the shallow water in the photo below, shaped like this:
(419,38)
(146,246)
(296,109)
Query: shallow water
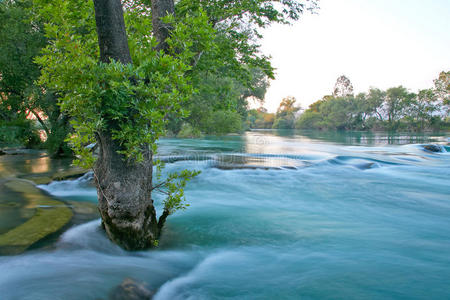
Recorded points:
(273,215)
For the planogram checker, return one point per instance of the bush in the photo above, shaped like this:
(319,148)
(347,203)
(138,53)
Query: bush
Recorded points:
(283,123)
(187,131)
(19,133)
(223,122)
(56,144)
(309,120)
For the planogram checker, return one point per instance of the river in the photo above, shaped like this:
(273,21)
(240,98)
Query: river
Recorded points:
(273,215)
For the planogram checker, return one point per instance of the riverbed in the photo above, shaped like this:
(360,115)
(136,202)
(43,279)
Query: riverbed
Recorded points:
(273,215)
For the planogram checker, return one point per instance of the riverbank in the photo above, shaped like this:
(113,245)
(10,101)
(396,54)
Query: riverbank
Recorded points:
(30,217)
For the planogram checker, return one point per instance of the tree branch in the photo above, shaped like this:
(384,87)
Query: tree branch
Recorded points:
(162,219)
(40,121)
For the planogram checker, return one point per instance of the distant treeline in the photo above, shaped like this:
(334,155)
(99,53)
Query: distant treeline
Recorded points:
(393,109)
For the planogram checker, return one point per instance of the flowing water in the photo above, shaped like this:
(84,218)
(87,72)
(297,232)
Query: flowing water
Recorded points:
(273,215)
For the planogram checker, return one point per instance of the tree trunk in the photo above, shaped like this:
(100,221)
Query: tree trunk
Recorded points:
(112,36)
(123,187)
(161,30)
(124,196)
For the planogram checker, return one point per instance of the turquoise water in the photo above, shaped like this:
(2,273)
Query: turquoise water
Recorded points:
(273,215)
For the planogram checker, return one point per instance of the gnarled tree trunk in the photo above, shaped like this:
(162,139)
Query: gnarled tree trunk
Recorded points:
(123,187)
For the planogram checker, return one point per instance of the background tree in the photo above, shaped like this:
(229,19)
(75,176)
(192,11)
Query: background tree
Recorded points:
(374,101)
(343,87)
(23,38)
(396,103)
(394,109)
(285,116)
(220,103)
(442,90)
(20,43)
(422,108)
(234,70)
(260,119)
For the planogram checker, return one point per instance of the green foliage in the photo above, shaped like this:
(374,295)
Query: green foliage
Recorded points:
(442,90)
(22,38)
(132,101)
(285,117)
(213,93)
(224,121)
(396,103)
(173,188)
(309,120)
(342,113)
(234,71)
(238,24)
(21,41)
(187,131)
(19,132)
(220,103)
(260,118)
(53,143)
(394,109)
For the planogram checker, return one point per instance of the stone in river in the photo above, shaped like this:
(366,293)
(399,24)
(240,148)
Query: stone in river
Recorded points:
(131,289)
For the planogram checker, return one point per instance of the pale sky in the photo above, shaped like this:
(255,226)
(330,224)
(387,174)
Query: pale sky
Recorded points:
(379,43)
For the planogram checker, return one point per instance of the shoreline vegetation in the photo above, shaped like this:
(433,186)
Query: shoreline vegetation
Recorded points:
(393,110)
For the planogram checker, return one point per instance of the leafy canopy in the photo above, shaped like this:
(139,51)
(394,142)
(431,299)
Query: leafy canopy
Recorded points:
(130,100)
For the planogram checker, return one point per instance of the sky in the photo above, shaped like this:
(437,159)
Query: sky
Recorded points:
(375,43)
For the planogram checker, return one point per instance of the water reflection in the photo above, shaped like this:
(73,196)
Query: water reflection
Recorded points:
(39,165)
(28,162)
(369,138)
(293,148)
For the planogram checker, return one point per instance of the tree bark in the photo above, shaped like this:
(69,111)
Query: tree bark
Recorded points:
(161,30)
(124,196)
(47,131)
(123,187)
(112,35)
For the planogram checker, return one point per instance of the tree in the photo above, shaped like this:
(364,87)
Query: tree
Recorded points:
(393,109)
(260,118)
(122,96)
(374,101)
(309,120)
(343,87)
(285,117)
(442,90)
(217,96)
(396,103)
(22,36)
(116,179)
(21,42)
(235,71)
(422,108)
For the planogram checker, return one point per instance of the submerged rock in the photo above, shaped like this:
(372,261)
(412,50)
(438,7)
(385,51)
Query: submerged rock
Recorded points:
(365,166)
(434,148)
(83,212)
(71,173)
(131,289)
(2,152)
(49,217)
